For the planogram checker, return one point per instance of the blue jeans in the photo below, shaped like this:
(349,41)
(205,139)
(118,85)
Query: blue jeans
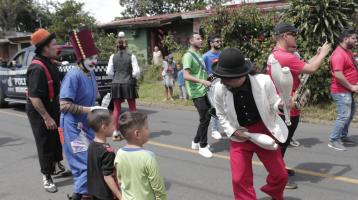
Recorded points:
(215,125)
(182,91)
(346,108)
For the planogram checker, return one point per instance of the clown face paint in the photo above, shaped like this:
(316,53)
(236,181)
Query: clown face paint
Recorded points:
(90,62)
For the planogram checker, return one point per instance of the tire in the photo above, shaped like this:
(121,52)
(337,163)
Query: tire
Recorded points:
(3,103)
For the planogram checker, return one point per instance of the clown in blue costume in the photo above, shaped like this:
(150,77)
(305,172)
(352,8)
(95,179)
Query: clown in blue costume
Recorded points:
(77,99)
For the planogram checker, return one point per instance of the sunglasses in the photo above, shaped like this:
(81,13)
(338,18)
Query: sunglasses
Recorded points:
(292,34)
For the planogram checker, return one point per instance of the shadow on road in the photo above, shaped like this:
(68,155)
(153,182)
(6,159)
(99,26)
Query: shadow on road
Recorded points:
(309,142)
(64,182)
(286,198)
(4,141)
(220,146)
(324,168)
(160,133)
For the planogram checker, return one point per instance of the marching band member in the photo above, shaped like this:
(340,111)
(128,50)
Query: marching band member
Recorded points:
(285,53)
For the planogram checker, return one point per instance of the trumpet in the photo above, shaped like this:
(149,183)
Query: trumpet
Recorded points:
(302,94)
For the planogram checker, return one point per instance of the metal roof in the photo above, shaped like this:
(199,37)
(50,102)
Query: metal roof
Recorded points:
(160,20)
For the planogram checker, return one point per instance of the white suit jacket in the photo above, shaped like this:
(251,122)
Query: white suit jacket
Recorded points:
(266,100)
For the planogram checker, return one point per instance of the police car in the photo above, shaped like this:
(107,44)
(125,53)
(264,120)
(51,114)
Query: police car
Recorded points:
(13,74)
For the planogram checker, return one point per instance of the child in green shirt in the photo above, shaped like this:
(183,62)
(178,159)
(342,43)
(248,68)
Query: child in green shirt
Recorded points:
(137,169)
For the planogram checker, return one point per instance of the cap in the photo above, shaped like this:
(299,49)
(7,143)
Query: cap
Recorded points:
(40,38)
(284,28)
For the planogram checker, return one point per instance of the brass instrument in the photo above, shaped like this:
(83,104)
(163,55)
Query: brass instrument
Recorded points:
(302,94)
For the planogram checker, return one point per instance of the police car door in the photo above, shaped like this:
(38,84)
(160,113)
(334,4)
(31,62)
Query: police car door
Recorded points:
(17,75)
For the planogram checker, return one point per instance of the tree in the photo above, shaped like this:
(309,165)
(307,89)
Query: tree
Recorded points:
(319,18)
(22,15)
(137,8)
(246,28)
(68,16)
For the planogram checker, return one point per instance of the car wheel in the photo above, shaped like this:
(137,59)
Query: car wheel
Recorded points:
(3,103)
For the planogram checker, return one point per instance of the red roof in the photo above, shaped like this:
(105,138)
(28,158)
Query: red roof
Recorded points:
(158,20)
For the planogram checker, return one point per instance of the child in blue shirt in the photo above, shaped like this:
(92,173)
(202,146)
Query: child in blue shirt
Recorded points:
(181,83)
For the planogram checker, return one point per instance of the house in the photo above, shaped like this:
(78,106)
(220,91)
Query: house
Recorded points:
(146,32)
(12,42)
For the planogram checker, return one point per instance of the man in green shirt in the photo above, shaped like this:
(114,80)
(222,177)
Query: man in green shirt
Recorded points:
(197,85)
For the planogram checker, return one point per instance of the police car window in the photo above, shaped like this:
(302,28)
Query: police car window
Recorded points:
(19,59)
(30,57)
(67,54)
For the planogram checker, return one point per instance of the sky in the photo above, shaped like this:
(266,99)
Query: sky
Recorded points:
(106,10)
(102,10)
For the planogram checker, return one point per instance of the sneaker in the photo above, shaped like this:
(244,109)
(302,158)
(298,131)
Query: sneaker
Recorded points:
(337,146)
(48,184)
(347,141)
(205,152)
(216,135)
(290,172)
(291,185)
(295,143)
(194,145)
(59,168)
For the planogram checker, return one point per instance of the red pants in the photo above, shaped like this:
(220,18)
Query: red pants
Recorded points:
(241,168)
(117,109)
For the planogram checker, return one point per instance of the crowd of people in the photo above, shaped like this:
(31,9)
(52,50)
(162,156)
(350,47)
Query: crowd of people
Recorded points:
(226,89)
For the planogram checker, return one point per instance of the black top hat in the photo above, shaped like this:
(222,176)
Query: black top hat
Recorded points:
(232,64)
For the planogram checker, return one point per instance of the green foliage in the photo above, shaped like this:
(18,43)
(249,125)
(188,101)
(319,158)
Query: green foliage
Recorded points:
(23,15)
(174,47)
(137,8)
(319,18)
(246,28)
(105,44)
(316,19)
(68,16)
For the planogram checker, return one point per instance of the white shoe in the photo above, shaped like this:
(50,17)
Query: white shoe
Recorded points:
(48,184)
(194,145)
(205,152)
(216,135)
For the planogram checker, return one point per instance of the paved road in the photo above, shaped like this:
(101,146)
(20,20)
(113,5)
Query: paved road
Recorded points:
(322,173)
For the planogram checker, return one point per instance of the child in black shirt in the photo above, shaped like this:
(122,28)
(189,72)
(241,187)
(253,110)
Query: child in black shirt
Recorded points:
(100,165)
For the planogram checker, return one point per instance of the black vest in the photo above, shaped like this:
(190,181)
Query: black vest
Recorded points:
(122,68)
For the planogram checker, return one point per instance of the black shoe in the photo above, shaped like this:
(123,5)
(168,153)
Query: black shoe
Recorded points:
(74,196)
(291,172)
(291,186)
(212,112)
(59,168)
(347,141)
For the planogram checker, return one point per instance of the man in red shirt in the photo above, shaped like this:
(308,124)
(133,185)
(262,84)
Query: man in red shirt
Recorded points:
(285,53)
(343,86)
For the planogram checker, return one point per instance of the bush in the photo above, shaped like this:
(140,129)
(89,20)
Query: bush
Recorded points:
(247,29)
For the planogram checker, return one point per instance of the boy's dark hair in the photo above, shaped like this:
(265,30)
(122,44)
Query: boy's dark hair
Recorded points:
(97,118)
(211,39)
(346,33)
(131,120)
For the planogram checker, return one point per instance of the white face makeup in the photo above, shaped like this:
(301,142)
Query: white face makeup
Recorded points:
(90,62)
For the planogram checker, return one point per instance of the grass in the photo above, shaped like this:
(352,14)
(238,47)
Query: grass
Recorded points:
(152,92)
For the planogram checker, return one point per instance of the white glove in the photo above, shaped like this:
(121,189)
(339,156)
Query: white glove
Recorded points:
(97,107)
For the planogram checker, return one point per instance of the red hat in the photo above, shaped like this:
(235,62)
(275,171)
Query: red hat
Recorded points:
(40,38)
(83,43)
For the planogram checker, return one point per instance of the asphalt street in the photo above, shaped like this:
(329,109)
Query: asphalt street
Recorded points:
(321,173)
